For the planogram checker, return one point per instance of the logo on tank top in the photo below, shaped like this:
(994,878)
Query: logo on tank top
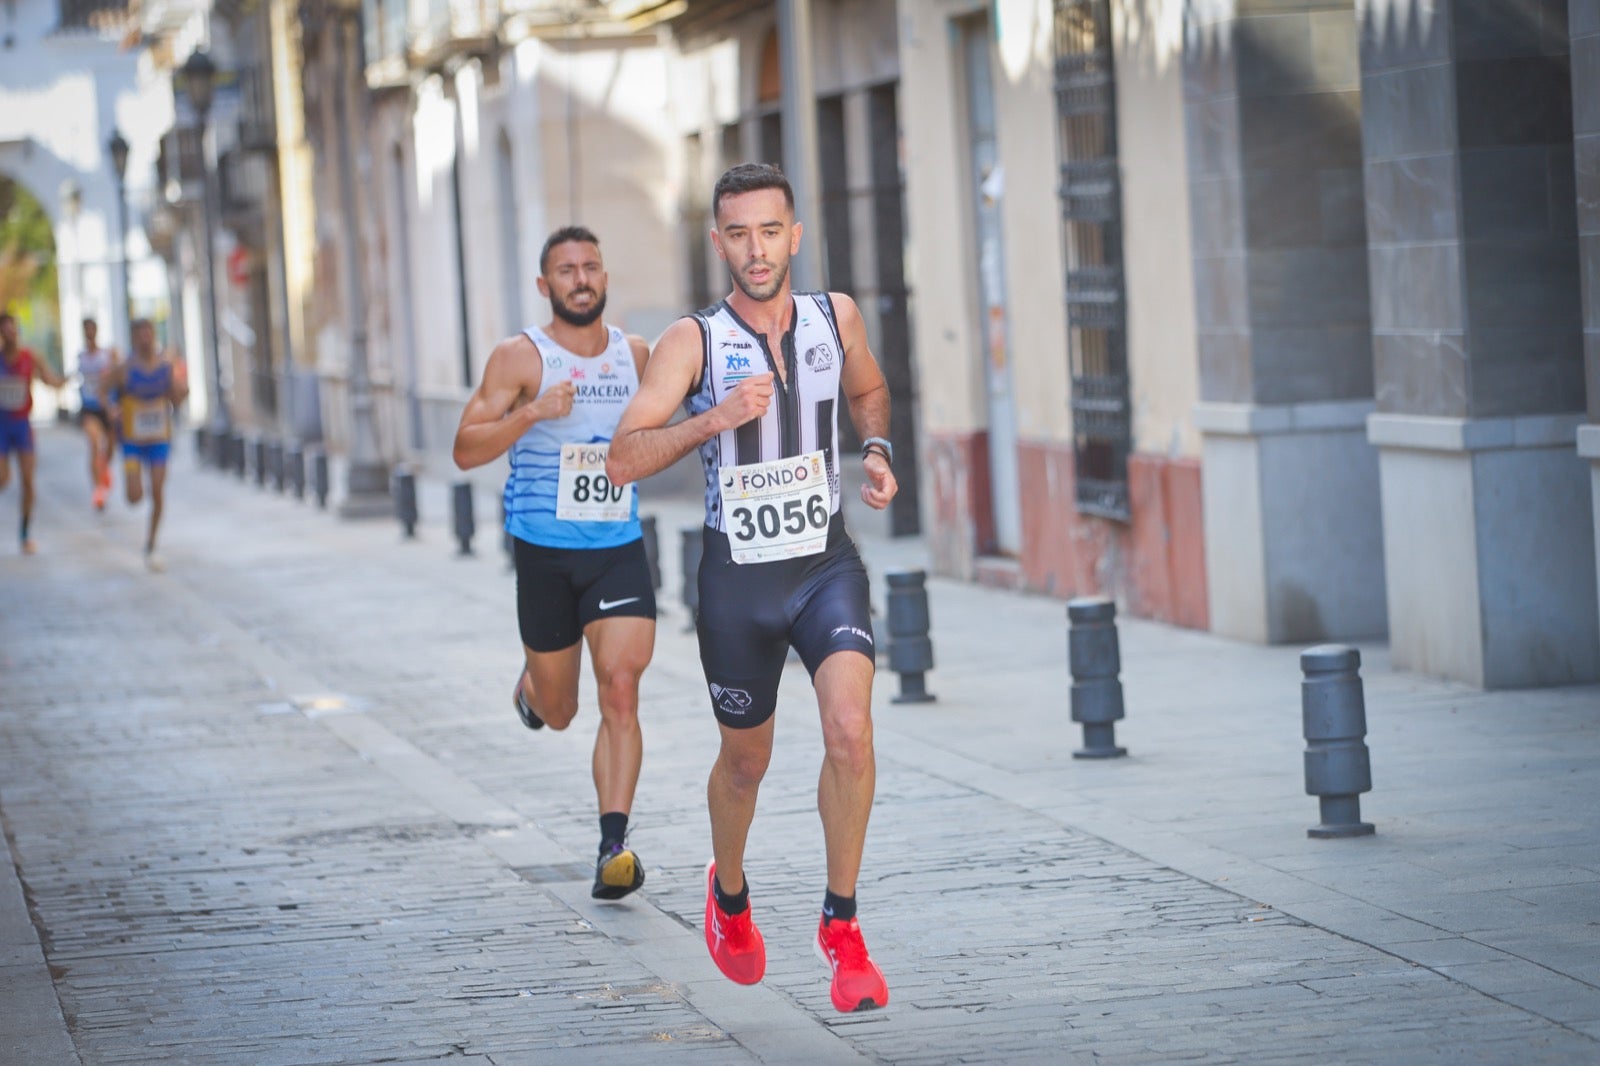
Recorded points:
(552,361)
(820,357)
(577,373)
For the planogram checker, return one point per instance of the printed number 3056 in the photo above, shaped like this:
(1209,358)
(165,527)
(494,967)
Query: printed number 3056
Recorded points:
(797,517)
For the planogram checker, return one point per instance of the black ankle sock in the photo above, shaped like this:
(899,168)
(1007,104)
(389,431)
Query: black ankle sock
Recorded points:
(613,830)
(736,904)
(838,908)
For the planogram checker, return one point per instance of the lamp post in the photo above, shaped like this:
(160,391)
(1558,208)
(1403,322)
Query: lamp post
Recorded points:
(118,147)
(199,76)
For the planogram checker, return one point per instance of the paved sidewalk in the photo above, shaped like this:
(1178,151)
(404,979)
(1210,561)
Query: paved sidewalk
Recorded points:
(272,807)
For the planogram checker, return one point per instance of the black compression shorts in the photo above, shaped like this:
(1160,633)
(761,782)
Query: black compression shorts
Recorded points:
(750,615)
(561,590)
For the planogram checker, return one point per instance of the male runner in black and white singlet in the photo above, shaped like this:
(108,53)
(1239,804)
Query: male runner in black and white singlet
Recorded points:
(760,375)
(551,397)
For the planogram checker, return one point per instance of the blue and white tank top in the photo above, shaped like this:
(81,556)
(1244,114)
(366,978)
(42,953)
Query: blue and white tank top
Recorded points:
(91,366)
(804,414)
(605,383)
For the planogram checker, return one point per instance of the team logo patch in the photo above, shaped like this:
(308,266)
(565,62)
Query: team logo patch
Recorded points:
(730,700)
(736,363)
(552,361)
(577,373)
(820,357)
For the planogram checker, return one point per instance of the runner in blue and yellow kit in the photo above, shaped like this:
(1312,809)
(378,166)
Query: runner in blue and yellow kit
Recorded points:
(148,385)
(552,396)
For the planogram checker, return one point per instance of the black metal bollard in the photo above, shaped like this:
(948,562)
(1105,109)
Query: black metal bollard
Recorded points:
(1095,659)
(202,445)
(319,477)
(461,511)
(1334,715)
(403,488)
(910,648)
(275,473)
(294,459)
(689,554)
(652,548)
(236,441)
(258,460)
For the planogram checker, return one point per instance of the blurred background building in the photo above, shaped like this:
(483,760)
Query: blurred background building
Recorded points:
(1277,318)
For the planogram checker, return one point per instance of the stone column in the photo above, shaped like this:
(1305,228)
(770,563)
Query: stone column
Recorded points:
(1477,342)
(1272,108)
(1584,20)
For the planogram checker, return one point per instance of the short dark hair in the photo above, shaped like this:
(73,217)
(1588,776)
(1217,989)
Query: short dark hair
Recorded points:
(140,323)
(7,316)
(750,177)
(562,236)
(91,322)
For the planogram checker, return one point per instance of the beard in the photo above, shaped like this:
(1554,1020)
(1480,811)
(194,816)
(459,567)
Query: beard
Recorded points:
(578,318)
(767,291)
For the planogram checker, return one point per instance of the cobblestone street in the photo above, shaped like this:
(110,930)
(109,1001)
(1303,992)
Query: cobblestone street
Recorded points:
(272,806)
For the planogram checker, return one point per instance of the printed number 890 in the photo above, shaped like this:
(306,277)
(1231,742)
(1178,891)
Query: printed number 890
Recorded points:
(598,488)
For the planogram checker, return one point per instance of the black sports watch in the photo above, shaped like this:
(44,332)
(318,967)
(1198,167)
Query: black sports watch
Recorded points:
(879,445)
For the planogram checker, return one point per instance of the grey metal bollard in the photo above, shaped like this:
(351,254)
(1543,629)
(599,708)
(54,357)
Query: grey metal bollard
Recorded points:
(403,488)
(202,445)
(319,477)
(294,460)
(1334,715)
(910,647)
(258,459)
(652,549)
(237,442)
(1095,659)
(275,472)
(689,554)
(461,512)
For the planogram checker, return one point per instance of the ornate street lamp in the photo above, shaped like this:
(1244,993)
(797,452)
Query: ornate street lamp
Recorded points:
(199,75)
(118,148)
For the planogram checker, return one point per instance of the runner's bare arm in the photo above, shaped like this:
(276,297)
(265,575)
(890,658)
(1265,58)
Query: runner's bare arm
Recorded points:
(493,419)
(867,395)
(47,374)
(643,443)
(179,390)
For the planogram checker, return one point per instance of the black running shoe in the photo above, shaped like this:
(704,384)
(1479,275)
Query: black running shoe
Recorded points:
(520,702)
(616,873)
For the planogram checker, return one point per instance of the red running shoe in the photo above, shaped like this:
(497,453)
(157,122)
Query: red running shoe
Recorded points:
(858,984)
(735,942)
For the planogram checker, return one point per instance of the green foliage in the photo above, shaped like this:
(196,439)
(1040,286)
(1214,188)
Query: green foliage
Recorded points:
(27,250)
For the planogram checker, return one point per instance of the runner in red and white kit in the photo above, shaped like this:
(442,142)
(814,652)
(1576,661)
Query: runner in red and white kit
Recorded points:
(760,375)
(18,369)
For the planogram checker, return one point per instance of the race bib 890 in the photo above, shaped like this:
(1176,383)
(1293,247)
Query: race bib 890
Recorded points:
(584,493)
(777,510)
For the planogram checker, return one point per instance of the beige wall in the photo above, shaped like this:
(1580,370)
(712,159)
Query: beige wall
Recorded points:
(1035,284)
(1163,362)
(938,225)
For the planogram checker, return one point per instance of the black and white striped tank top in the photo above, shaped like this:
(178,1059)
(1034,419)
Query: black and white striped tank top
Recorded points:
(803,416)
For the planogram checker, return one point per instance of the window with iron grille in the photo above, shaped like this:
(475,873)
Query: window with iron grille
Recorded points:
(93,16)
(1091,213)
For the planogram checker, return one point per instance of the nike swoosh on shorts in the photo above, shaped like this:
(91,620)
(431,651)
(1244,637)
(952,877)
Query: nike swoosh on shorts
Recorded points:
(605,606)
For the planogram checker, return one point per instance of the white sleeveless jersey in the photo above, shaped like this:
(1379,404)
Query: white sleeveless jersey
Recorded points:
(91,365)
(803,416)
(605,383)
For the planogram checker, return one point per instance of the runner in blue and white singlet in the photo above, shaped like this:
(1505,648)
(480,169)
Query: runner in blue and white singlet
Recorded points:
(551,397)
(602,387)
